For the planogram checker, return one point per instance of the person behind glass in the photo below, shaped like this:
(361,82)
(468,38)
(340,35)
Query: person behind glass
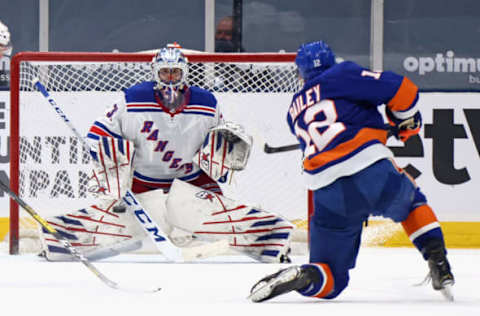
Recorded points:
(5,53)
(351,173)
(224,36)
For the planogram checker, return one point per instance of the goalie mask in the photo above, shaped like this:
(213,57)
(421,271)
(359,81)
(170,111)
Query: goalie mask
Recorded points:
(226,148)
(170,71)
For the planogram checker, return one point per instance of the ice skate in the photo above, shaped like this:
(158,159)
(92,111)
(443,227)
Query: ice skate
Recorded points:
(283,281)
(440,274)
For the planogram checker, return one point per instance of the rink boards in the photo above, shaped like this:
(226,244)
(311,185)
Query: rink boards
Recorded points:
(445,158)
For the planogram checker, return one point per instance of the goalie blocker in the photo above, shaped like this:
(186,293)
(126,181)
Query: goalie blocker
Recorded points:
(98,232)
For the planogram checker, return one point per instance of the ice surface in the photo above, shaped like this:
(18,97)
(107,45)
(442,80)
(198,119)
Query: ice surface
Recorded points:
(383,283)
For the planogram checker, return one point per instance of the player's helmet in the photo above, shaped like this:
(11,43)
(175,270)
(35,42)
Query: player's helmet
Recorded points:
(314,58)
(171,60)
(4,39)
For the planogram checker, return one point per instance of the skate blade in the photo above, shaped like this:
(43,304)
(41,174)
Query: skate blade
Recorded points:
(447,292)
(262,291)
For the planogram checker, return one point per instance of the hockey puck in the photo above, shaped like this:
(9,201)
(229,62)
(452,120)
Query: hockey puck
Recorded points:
(119,209)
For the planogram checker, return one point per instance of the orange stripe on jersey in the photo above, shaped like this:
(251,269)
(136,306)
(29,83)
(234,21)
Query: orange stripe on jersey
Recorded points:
(363,136)
(328,281)
(404,97)
(419,218)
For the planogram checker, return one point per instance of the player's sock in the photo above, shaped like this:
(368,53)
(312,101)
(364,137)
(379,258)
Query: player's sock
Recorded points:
(421,226)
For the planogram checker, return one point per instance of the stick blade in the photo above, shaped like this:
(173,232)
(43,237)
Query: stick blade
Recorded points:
(270,150)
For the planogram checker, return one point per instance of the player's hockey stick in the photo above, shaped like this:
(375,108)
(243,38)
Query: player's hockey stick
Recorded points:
(272,149)
(75,253)
(153,230)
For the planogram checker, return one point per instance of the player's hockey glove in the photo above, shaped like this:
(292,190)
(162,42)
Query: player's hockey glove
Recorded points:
(404,129)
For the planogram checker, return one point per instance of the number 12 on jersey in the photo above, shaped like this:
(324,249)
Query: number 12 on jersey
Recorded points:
(318,130)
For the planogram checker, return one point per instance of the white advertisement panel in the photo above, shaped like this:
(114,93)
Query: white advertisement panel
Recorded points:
(444,159)
(54,164)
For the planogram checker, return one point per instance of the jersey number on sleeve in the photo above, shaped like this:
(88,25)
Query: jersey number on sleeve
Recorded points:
(315,140)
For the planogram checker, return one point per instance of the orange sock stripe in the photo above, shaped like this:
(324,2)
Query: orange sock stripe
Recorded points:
(328,280)
(419,218)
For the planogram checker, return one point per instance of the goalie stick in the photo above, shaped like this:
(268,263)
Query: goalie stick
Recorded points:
(272,149)
(153,230)
(73,251)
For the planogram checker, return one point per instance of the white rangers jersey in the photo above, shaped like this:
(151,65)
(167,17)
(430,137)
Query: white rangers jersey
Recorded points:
(165,142)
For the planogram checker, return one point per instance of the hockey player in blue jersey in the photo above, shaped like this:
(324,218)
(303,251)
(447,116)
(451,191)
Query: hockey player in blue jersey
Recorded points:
(350,172)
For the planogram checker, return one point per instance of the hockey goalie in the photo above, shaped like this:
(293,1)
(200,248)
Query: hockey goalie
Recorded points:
(167,144)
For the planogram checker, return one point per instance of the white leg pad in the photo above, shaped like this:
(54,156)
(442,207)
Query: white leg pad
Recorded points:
(262,235)
(97,231)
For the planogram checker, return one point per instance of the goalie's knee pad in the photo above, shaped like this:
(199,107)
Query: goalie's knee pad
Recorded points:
(154,202)
(260,234)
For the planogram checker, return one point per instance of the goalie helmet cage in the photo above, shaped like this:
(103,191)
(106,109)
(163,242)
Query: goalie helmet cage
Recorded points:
(84,78)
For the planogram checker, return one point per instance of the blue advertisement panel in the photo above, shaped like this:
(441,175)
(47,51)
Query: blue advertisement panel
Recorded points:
(434,43)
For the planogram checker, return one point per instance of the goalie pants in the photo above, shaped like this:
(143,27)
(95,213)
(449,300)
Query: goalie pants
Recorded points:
(337,213)
(202,181)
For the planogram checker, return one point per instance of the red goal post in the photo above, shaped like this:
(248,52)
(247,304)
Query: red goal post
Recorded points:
(253,88)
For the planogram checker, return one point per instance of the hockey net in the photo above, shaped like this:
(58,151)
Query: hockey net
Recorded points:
(49,167)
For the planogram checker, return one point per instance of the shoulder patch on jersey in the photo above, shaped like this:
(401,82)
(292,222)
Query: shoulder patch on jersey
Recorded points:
(202,102)
(142,92)
(203,97)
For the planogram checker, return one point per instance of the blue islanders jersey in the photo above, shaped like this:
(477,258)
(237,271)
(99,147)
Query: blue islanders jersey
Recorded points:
(335,118)
(165,142)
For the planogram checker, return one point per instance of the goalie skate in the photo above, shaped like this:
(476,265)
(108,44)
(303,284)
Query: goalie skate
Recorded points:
(281,282)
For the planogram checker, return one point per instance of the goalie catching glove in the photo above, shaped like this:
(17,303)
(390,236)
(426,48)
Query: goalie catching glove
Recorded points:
(226,148)
(403,129)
